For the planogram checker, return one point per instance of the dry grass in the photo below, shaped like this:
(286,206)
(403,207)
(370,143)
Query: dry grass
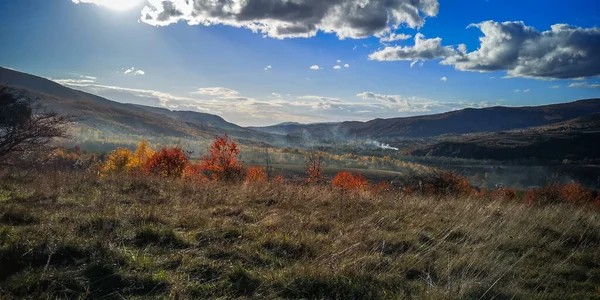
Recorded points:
(73,235)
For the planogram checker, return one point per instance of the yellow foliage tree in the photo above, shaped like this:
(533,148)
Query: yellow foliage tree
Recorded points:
(117,161)
(142,154)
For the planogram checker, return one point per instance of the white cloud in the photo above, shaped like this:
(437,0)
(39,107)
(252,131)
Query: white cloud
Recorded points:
(299,18)
(444,78)
(517,91)
(346,66)
(337,67)
(268,67)
(339,61)
(585,85)
(555,87)
(73,81)
(216,91)
(413,104)
(245,111)
(315,67)
(562,52)
(134,72)
(392,37)
(526,91)
(320,98)
(424,49)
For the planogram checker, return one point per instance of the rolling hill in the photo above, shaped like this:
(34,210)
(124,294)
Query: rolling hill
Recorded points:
(573,140)
(463,121)
(121,118)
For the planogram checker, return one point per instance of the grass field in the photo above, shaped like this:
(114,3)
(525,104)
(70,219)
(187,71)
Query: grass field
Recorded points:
(72,235)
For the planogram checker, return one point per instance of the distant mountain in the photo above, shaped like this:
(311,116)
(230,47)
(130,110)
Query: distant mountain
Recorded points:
(111,116)
(574,140)
(463,121)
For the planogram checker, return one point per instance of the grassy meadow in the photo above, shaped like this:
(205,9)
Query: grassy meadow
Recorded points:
(76,235)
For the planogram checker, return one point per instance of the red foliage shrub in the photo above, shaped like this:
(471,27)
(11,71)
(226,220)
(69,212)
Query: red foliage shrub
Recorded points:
(575,193)
(256,175)
(349,181)
(545,195)
(504,193)
(382,187)
(167,163)
(222,162)
(195,172)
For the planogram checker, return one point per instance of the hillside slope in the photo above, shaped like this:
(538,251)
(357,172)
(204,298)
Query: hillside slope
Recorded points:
(456,122)
(110,116)
(575,139)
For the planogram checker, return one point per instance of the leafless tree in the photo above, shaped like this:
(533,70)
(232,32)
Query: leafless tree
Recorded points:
(268,164)
(26,126)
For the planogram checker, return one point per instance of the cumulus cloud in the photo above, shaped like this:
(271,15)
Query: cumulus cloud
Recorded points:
(392,37)
(300,18)
(585,85)
(346,66)
(562,52)
(339,61)
(424,49)
(315,67)
(268,67)
(444,78)
(134,72)
(337,67)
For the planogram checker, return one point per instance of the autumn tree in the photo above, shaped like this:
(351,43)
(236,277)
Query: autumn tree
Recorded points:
(141,156)
(222,161)
(350,182)
(25,125)
(167,163)
(117,161)
(314,167)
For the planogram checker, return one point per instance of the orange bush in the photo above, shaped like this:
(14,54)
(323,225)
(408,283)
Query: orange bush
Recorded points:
(256,175)
(349,181)
(504,193)
(167,163)
(575,193)
(194,172)
(222,162)
(545,195)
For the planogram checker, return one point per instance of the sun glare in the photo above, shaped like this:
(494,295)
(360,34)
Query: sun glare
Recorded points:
(120,5)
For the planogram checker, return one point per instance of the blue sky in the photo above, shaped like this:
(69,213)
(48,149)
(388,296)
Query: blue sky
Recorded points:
(139,55)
